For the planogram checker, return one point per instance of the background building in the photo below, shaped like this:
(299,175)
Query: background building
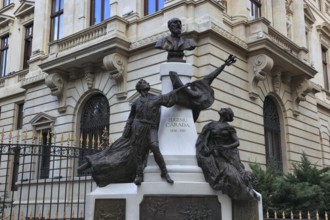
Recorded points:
(70,67)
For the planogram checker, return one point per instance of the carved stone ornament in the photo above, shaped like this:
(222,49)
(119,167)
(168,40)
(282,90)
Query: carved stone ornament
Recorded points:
(301,88)
(56,84)
(116,65)
(259,67)
(89,77)
(276,80)
(110,209)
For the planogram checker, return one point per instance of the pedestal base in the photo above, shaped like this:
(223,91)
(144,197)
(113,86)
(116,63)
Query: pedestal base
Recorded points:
(190,197)
(158,200)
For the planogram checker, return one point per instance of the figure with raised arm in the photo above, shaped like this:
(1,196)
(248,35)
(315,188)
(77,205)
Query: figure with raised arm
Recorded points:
(199,95)
(142,126)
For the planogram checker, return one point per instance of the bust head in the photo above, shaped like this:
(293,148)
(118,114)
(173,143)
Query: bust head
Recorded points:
(175,26)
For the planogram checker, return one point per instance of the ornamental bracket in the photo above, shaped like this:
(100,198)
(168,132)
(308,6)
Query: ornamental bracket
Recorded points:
(259,67)
(116,65)
(301,87)
(56,82)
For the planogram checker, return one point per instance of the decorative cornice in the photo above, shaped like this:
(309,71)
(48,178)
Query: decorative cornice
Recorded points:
(43,121)
(26,8)
(309,17)
(27,82)
(5,20)
(324,30)
(216,28)
(148,40)
(6,8)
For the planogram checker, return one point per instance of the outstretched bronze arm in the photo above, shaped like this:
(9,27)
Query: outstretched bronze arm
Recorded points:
(210,77)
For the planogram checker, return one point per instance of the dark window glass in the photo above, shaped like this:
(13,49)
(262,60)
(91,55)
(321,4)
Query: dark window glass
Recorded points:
(94,118)
(100,11)
(57,19)
(28,45)
(255,8)
(325,68)
(20,110)
(6,2)
(3,55)
(15,168)
(151,6)
(272,134)
(45,155)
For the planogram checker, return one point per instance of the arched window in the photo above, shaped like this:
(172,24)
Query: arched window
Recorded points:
(94,118)
(272,134)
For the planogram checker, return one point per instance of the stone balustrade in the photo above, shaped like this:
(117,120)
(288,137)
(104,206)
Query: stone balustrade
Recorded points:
(283,42)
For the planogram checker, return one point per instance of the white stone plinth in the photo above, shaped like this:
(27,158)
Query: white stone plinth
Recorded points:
(133,196)
(177,131)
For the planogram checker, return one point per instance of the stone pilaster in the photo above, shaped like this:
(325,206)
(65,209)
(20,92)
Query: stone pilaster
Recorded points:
(279,15)
(239,9)
(299,32)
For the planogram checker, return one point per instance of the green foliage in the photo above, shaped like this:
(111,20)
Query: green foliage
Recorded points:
(266,183)
(306,187)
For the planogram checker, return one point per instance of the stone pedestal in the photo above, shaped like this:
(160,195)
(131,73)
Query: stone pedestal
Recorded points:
(177,132)
(158,200)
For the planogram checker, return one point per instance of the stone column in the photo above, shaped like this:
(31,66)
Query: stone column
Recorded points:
(298,21)
(279,16)
(41,26)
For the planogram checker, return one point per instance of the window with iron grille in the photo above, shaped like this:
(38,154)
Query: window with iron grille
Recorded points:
(95,117)
(325,67)
(3,55)
(255,9)
(272,134)
(45,155)
(100,10)
(15,170)
(56,20)
(152,6)
(28,45)
(19,119)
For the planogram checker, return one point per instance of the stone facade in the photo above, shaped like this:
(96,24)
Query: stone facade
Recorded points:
(279,55)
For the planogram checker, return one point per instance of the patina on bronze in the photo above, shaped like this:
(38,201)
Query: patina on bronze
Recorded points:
(175,44)
(142,127)
(107,209)
(200,95)
(124,161)
(169,207)
(218,156)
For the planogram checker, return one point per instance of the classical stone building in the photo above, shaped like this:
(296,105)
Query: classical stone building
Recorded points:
(70,66)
